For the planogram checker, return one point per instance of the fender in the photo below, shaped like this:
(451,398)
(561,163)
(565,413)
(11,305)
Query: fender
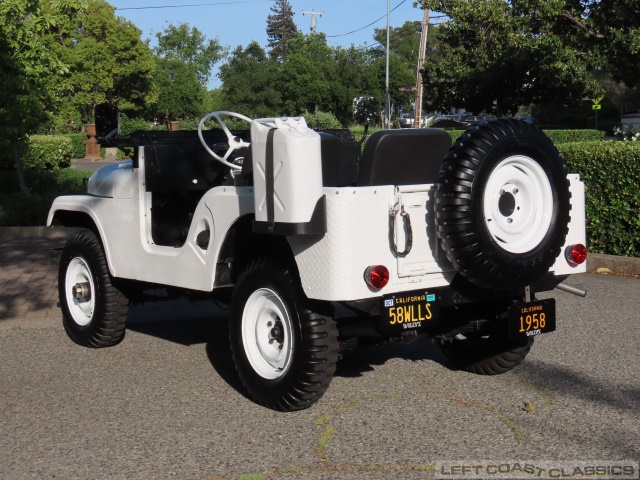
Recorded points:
(93,207)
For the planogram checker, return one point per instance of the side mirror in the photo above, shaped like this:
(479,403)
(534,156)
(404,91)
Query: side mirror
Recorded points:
(107,120)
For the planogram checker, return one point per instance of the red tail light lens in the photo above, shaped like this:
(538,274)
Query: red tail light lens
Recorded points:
(576,254)
(377,276)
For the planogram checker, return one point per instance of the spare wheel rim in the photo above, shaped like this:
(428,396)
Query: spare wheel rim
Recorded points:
(80,291)
(518,204)
(267,334)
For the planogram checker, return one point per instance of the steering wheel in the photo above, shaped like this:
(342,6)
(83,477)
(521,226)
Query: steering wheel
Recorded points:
(235,143)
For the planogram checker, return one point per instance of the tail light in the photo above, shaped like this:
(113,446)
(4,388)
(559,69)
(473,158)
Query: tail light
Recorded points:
(576,254)
(377,276)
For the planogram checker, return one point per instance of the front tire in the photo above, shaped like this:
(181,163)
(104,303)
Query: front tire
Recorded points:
(94,311)
(285,353)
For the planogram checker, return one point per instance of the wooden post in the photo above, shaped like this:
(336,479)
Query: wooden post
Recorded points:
(92,147)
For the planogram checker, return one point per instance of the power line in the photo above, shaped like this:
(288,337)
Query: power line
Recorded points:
(362,28)
(157,7)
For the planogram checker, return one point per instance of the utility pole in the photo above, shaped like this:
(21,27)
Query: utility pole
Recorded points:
(314,22)
(421,55)
(387,97)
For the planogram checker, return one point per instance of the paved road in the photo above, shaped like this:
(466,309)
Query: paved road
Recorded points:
(165,403)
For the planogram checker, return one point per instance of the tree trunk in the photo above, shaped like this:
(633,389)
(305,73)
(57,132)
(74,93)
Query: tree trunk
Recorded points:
(15,150)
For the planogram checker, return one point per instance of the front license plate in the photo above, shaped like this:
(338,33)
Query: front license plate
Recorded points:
(531,319)
(407,310)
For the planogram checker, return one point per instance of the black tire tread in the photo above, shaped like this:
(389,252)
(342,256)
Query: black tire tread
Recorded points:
(108,326)
(309,379)
(486,360)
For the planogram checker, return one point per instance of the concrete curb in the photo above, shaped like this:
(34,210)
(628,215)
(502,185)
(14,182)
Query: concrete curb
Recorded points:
(616,264)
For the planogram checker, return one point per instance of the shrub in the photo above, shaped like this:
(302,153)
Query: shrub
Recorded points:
(17,208)
(78,147)
(556,136)
(570,136)
(47,152)
(321,120)
(128,125)
(611,172)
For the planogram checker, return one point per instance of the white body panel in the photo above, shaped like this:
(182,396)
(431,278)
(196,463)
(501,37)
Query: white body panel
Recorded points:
(577,233)
(332,266)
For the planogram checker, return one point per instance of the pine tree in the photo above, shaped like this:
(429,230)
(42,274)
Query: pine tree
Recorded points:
(280,29)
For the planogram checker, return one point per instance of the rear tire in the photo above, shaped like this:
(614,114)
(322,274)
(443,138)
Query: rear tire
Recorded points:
(285,353)
(94,311)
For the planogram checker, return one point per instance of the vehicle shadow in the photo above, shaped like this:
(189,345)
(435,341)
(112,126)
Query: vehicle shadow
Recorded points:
(206,323)
(357,362)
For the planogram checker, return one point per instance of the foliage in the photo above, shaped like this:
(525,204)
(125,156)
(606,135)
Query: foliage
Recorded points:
(321,120)
(249,83)
(180,93)
(628,132)
(557,136)
(31,208)
(611,172)
(189,47)
(128,125)
(280,30)
(508,53)
(306,75)
(109,63)
(366,110)
(572,136)
(78,147)
(25,63)
(47,152)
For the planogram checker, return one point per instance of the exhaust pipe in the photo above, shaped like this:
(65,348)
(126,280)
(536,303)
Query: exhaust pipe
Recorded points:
(581,292)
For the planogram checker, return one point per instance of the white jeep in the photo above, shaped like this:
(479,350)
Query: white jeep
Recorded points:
(315,245)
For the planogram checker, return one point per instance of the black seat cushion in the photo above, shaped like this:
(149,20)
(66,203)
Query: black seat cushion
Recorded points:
(403,157)
(339,159)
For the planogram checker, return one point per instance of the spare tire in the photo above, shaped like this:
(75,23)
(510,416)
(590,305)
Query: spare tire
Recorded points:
(502,204)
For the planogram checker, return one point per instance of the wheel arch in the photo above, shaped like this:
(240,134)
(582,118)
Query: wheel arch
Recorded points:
(71,213)
(241,245)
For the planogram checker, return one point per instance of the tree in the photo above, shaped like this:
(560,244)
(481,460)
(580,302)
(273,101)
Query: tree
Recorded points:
(184,61)
(109,63)
(191,47)
(181,95)
(503,54)
(280,30)
(250,83)
(25,61)
(307,76)
(404,43)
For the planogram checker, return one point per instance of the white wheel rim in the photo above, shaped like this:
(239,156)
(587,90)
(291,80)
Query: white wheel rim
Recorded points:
(266,334)
(518,204)
(80,290)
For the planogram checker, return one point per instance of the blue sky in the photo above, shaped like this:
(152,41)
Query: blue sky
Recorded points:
(236,23)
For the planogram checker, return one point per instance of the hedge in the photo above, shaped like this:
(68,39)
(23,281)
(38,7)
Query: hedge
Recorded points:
(47,152)
(79,149)
(571,136)
(557,136)
(611,173)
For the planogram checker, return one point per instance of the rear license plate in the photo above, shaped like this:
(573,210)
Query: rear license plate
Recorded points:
(532,319)
(407,310)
